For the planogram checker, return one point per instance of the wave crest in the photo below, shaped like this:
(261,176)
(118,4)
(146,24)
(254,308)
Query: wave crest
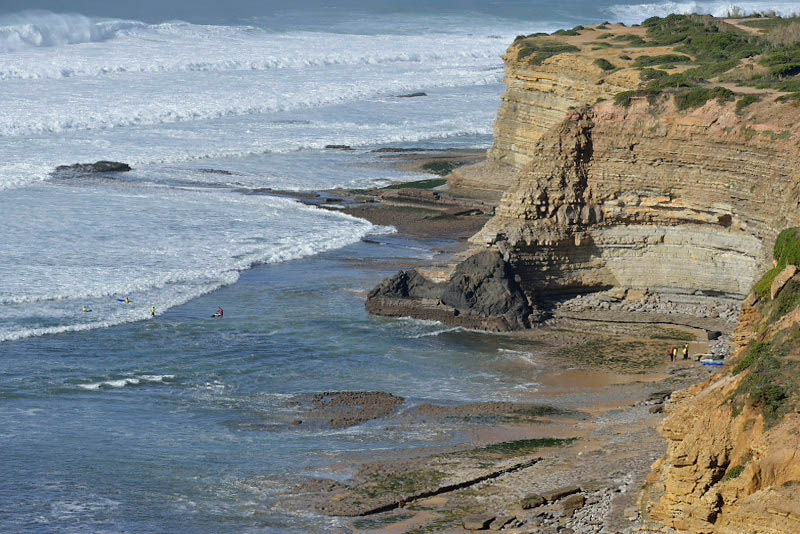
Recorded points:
(33,29)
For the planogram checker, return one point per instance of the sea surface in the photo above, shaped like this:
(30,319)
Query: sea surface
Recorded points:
(114,421)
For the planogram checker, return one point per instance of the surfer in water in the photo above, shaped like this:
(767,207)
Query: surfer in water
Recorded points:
(86,310)
(220,312)
(153,312)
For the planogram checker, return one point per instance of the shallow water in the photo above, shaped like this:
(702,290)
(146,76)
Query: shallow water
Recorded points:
(165,425)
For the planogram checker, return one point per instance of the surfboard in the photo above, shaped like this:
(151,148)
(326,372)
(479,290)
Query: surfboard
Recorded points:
(708,361)
(216,315)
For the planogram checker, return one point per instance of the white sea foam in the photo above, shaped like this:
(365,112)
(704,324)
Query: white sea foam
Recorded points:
(128,381)
(636,13)
(33,29)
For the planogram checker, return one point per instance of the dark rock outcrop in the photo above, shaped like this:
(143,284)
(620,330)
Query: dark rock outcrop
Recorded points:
(481,294)
(93,168)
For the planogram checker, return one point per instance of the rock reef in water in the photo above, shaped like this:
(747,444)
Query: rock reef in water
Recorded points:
(93,168)
(482,294)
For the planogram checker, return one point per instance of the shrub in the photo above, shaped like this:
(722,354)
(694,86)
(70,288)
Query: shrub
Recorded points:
(539,51)
(604,64)
(696,97)
(649,61)
(745,101)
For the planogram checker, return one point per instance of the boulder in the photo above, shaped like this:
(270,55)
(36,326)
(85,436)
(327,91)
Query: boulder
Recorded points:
(93,168)
(482,293)
(571,504)
(531,501)
(560,493)
(477,522)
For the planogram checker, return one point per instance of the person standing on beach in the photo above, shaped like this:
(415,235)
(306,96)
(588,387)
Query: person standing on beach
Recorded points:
(672,353)
(686,352)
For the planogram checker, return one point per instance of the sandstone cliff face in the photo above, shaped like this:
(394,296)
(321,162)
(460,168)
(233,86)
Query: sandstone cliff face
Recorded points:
(732,466)
(646,196)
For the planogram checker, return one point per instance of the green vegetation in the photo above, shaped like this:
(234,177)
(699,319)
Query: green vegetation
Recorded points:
(649,61)
(597,45)
(420,184)
(523,447)
(442,168)
(745,101)
(733,473)
(625,57)
(539,51)
(771,378)
(574,31)
(698,96)
(785,252)
(604,64)
(756,352)
(630,40)
(787,248)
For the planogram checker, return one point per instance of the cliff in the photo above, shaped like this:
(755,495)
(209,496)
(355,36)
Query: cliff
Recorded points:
(657,166)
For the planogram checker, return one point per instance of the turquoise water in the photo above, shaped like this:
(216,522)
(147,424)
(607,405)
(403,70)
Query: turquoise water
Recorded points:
(170,424)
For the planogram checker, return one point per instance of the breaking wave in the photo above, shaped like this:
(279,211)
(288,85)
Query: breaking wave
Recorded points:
(32,29)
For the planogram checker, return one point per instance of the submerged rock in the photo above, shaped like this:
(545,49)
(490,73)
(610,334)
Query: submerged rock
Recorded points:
(93,168)
(481,294)
(412,95)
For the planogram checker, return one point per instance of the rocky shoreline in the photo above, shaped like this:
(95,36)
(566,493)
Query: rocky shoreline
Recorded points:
(573,464)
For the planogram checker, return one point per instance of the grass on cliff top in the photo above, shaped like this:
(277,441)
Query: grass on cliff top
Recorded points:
(537,52)
(712,48)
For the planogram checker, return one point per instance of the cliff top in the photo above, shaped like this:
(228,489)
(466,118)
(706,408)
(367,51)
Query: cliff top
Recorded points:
(696,58)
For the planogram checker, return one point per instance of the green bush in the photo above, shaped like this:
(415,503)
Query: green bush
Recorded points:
(763,286)
(604,64)
(539,51)
(787,248)
(756,352)
(653,74)
(649,61)
(733,472)
(696,97)
(745,101)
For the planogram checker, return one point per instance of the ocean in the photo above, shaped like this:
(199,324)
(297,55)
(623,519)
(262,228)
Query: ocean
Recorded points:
(114,421)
